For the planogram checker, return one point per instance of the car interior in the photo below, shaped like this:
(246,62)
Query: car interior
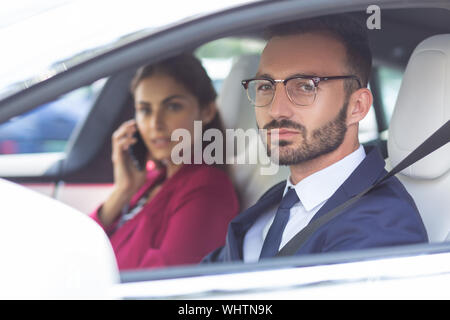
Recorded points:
(424,84)
(422,105)
(404,29)
(415,43)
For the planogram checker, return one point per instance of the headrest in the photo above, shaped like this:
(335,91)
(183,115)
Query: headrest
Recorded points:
(423,105)
(233,103)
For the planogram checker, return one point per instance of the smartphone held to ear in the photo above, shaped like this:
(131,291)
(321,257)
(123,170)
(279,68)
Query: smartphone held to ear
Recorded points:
(138,152)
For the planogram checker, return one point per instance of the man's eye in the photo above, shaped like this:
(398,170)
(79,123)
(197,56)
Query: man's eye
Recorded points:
(264,87)
(307,88)
(303,87)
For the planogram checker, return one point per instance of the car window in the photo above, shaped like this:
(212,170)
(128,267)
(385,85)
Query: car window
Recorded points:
(390,81)
(48,128)
(218,56)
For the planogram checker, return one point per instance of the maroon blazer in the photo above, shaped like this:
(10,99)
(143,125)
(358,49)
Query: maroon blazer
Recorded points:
(185,220)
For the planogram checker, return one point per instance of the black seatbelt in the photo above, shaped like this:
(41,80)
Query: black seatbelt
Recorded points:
(434,142)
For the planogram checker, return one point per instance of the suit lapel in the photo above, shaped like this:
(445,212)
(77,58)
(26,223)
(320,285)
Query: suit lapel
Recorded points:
(240,225)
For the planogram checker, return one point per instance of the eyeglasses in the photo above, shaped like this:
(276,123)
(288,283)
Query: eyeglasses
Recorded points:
(301,90)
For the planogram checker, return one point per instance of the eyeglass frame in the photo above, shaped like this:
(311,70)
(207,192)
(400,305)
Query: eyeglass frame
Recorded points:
(315,79)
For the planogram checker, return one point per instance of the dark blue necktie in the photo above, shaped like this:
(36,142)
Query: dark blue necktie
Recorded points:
(273,239)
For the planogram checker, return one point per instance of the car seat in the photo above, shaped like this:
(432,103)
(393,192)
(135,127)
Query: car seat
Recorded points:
(423,105)
(238,113)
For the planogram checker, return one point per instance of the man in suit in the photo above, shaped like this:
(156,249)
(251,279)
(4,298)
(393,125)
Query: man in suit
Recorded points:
(311,90)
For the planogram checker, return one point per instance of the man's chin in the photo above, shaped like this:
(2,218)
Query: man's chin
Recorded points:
(282,155)
(289,155)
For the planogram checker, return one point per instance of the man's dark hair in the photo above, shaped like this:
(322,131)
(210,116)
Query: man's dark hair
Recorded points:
(344,28)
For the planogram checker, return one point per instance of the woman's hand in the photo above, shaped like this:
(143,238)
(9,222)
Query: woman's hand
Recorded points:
(127,178)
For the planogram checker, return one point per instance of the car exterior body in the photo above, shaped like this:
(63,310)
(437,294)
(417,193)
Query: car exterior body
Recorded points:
(82,166)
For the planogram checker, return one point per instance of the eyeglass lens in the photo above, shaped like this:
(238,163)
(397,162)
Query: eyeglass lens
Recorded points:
(300,91)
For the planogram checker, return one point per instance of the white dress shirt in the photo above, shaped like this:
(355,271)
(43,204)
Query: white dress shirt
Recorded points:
(313,192)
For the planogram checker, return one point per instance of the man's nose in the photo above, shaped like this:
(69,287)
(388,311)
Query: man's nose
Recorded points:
(281,106)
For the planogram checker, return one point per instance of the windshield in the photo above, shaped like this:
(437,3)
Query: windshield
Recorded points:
(45,40)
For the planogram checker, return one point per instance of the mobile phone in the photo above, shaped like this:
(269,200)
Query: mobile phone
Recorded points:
(138,152)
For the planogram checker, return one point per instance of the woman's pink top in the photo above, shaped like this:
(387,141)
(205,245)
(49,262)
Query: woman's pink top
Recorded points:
(187,219)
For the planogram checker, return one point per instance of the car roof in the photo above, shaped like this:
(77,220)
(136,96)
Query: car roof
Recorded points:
(56,49)
(409,26)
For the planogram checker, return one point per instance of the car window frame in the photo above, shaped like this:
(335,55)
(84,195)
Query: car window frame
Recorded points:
(174,40)
(137,280)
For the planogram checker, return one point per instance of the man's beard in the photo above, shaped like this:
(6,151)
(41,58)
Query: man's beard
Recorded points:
(323,140)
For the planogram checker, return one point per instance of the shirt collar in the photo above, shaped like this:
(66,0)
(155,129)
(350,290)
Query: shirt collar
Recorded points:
(320,186)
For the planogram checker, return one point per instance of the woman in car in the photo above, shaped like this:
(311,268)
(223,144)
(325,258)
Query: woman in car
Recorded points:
(167,213)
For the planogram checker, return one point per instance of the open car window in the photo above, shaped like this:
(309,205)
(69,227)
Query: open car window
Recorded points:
(90,99)
(49,127)
(390,81)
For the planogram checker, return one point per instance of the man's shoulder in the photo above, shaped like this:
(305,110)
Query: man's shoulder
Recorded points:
(386,216)
(388,206)
(392,190)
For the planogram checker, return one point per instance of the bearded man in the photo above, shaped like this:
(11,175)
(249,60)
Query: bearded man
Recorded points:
(310,93)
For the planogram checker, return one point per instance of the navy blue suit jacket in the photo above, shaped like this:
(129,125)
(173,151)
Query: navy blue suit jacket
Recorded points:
(386,216)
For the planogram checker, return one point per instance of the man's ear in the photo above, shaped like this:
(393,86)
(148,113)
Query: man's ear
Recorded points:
(208,113)
(359,105)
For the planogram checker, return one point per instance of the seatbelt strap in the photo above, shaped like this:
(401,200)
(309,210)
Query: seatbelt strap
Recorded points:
(434,142)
